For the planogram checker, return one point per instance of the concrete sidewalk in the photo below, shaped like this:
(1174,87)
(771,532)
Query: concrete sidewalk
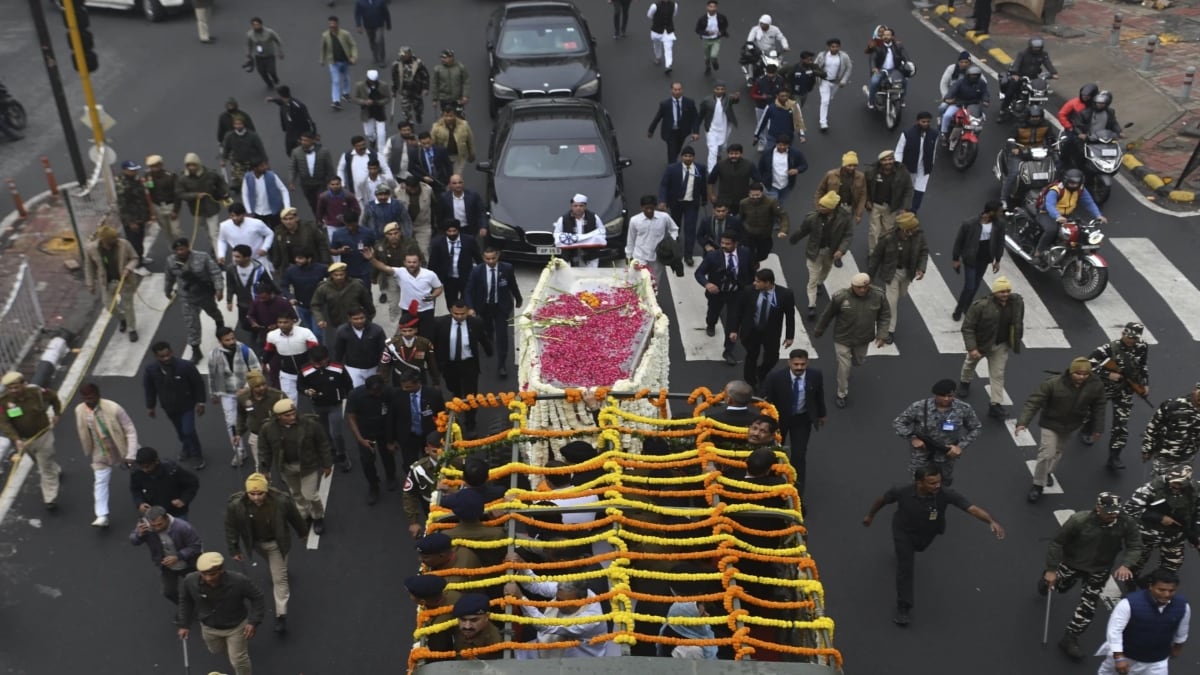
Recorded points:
(1165,128)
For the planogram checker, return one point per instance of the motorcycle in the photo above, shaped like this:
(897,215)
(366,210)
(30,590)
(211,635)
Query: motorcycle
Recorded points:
(889,98)
(1035,171)
(1074,255)
(963,141)
(11,110)
(754,62)
(1034,91)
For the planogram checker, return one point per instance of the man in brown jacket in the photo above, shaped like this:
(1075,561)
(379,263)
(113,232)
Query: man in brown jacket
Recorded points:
(849,183)
(897,260)
(992,328)
(862,315)
(1064,402)
(111,261)
(889,192)
(454,134)
(829,231)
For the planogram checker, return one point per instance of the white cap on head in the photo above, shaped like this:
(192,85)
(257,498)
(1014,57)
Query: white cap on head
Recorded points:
(765,18)
(579,199)
(372,74)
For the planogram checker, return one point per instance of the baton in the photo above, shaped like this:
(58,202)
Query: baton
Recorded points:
(187,666)
(1046,625)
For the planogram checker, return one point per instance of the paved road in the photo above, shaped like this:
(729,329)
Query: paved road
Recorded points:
(65,585)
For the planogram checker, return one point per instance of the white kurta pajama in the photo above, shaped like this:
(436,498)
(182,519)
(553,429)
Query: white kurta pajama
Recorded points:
(718,133)
(108,437)
(662,43)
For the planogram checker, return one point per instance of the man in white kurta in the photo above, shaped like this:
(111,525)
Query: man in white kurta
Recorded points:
(108,438)
(243,229)
(646,230)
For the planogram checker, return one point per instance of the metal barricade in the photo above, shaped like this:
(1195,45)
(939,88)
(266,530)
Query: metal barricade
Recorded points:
(21,318)
(89,210)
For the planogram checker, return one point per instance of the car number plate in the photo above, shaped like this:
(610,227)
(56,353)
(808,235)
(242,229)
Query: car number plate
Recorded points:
(1109,152)
(1041,175)
(548,250)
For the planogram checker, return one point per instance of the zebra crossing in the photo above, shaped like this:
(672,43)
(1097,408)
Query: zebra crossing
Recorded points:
(931,302)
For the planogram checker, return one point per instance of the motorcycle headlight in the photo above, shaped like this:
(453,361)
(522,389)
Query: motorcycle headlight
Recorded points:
(501,230)
(589,88)
(1095,238)
(613,227)
(501,91)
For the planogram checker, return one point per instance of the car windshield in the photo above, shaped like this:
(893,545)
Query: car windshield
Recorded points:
(554,160)
(541,36)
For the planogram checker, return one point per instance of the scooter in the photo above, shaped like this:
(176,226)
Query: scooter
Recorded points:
(754,62)
(1035,171)
(1074,255)
(889,97)
(963,140)
(1102,157)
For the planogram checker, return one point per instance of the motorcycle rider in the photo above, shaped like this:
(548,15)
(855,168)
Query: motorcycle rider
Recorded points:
(1098,115)
(767,36)
(953,73)
(1065,114)
(886,55)
(1062,199)
(1029,63)
(969,90)
(1032,131)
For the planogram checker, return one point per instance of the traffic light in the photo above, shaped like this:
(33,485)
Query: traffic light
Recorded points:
(85,39)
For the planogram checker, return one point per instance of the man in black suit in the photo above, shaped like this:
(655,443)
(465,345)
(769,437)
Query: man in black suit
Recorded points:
(466,206)
(682,192)
(679,119)
(431,163)
(737,410)
(458,341)
(713,227)
(451,257)
(798,393)
(723,273)
(491,294)
(762,312)
(416,409)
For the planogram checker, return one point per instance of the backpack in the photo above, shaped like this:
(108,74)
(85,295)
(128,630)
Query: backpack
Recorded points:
(1057,186)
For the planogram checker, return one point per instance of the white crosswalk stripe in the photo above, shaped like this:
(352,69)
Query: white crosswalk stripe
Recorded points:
(687,296)
(1180,294)
(935,303)
(122,358)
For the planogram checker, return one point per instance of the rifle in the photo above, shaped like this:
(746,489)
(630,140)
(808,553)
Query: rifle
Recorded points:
(1136,387)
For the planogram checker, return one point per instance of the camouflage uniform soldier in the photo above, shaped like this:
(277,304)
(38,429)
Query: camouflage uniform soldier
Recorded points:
(1172,437)
(1086,548)
(410,81)
(1121,365)
(1168,513)
(200,283)
(939,428)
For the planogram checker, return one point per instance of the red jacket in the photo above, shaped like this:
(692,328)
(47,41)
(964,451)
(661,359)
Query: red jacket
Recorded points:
(1069,108)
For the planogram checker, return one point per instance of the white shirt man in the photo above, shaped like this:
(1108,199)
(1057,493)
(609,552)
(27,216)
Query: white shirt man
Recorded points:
(767,36)
(571,235)
(359,157)
(385,157)
(779,169)
(419,287)
(242,229)
(646,230)
(261,205)
(365,190)
(920,179)
(837,67)
(292,347)
(1118,621)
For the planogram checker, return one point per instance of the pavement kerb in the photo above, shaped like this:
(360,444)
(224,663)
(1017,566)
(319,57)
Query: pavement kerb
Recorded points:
(1151,180)
(13,218)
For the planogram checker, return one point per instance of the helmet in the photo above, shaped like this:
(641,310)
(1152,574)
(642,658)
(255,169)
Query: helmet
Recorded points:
(1088,90)
(975,71)
(1035,111)
(1036,44)
(1103,98)
(765,18)
(1073,179)
(908,68)
(1179,474)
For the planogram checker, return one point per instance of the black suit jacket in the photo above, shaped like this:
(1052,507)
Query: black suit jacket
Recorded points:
(443,167)
(712,270)
(440,260)
(781,313)
(689,118)
(737,418)
(672,188)
(777,389)
(507,291)
(476,212)
(706,236)
(478,342)
(432,402)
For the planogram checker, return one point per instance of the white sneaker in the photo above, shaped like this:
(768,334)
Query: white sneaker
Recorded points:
(100,521)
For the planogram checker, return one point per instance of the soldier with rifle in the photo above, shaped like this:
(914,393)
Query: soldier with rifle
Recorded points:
(1172,437)
(1123,369)
(1168,513)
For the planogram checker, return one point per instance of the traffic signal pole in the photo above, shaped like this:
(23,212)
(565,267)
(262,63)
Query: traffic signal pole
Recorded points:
(82,66)
(56,87)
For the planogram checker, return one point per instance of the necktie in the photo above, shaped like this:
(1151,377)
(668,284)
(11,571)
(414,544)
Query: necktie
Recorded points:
(677,113)
(429,160)
(764,305)
(731,265)
(492,287)
(458,341)
(415,424)
(797,397)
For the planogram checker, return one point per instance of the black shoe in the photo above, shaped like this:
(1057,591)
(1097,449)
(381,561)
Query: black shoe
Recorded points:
(346,465)
(728,356)
(1035,493)
(1070,646)
(121,326)
(997,411)
(812,314)
(318,526)
(200,464)
(502,372)
(707,68)
(372,495)
(710,331)
(392,485)
(891,338)
(840,401)
(197,357)
(51,506)
(689,261)
(716,65)
(281,624)
(133,336)
(1114,463)
(1049,480)
(964,390)
(668,72)
(902,617)
(1043,588)
(836,263)
(957,316)
(1086,439)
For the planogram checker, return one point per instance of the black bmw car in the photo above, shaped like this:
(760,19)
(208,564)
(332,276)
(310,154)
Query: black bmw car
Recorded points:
(540,48)
(542,152)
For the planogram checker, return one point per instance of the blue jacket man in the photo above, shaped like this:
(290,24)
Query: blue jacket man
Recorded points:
(373,15)
(796,165)
(970,89)
(376,215)
(155,525)
(491,294)
(683,204)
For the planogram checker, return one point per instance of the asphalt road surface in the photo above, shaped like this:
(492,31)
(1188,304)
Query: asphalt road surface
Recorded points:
(78,600)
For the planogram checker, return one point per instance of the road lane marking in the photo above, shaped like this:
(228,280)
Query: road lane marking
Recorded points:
(122,358)
(690,309)
(1112,313)
(1023,439)
(935,303)
(314,539)
(1180,294)
(1041,331)
(839,278)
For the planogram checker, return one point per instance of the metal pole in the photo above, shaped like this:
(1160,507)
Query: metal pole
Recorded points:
(1151,45)
(66,197)
(85,77)
(1189,76)
(1046,626)
(37,8)
(187,665)
(1114,38)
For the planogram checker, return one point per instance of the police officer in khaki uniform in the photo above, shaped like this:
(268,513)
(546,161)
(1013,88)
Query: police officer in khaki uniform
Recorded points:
(299,445)
(27,421)
(253,409)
